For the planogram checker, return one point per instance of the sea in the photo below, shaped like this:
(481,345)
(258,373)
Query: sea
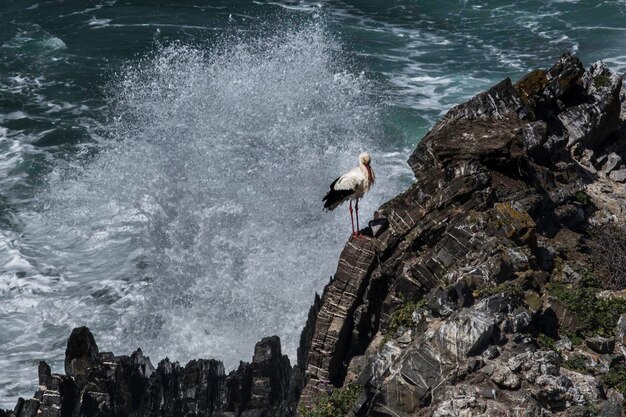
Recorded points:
(162,163)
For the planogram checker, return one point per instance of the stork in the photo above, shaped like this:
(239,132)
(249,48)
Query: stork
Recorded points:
(351,186)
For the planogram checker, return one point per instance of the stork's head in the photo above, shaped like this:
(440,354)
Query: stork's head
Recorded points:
(364,161)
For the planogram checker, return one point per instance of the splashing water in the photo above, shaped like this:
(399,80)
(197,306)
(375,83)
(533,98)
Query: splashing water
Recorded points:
(197,228)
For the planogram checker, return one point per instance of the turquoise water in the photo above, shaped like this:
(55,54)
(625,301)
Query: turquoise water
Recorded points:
(162,163)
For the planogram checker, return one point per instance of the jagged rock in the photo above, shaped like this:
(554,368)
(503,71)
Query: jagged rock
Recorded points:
(505,378)
(618,176)
(612,161)
(475,216)
(518,322)
(81,355)
(333,325)
(487,392)
(553,392)
(534,136)
(564,344)
(466,333)
(29,409)
(440,303)
(563,77)
(475,364)
(587,385)
(566,319)
(601,344)
(620,334)
(578,411)
(530,87)
(614,406)
(491,352)
(535,364)
(101,384)
(356,367)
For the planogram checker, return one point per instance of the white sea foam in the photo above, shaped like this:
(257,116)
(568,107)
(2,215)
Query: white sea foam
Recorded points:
(98,22)
(33,39)
(53,42)
(198,229)
(301,6)
(617,63)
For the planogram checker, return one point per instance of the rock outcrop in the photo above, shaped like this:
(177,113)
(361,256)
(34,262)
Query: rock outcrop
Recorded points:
(464,303)
(482,290)
(101,384)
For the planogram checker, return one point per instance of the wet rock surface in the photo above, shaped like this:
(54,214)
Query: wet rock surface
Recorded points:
(473,293)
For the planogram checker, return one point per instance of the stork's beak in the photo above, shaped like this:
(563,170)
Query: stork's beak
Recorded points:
(369,172)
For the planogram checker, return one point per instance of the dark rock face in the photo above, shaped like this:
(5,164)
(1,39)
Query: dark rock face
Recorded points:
(81,356)
(468,294)
(507,186)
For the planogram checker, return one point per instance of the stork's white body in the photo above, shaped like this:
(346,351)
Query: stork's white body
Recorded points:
(356,181)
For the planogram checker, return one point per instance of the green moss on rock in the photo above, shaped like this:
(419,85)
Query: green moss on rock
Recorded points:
(514,224)
(582,197)
(337,404)
(601,81)
(531,85)
(512,289)
(597,316)
(616,378)
(577,364)
(546,342)
(403,316)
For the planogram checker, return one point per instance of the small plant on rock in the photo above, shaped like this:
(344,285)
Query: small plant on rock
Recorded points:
(616,378)
(601,81)
(511,288)
(546,342)
(596,315)
(403,316)
(608,255)
(577,364)
(582,197)
(337,404)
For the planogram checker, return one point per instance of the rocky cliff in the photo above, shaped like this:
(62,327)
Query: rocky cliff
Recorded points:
(492,287)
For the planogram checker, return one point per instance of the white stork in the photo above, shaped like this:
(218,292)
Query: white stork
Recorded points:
(351,186)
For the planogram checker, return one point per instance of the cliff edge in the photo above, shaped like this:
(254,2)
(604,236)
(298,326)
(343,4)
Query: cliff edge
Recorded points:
(491,286)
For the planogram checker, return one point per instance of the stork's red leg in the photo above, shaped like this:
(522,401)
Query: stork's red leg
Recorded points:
(351,218)
(356,207)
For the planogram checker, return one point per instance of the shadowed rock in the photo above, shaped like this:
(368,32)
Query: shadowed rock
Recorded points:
(101,384)
(81,354)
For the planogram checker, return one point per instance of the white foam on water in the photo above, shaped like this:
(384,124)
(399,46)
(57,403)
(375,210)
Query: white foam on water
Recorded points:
(33,40)
(98,22)
(301,6)
(197,229)
(53,42)
(617,63)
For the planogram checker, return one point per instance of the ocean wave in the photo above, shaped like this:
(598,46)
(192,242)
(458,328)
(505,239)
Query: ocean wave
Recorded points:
(185,234)
(34,39)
